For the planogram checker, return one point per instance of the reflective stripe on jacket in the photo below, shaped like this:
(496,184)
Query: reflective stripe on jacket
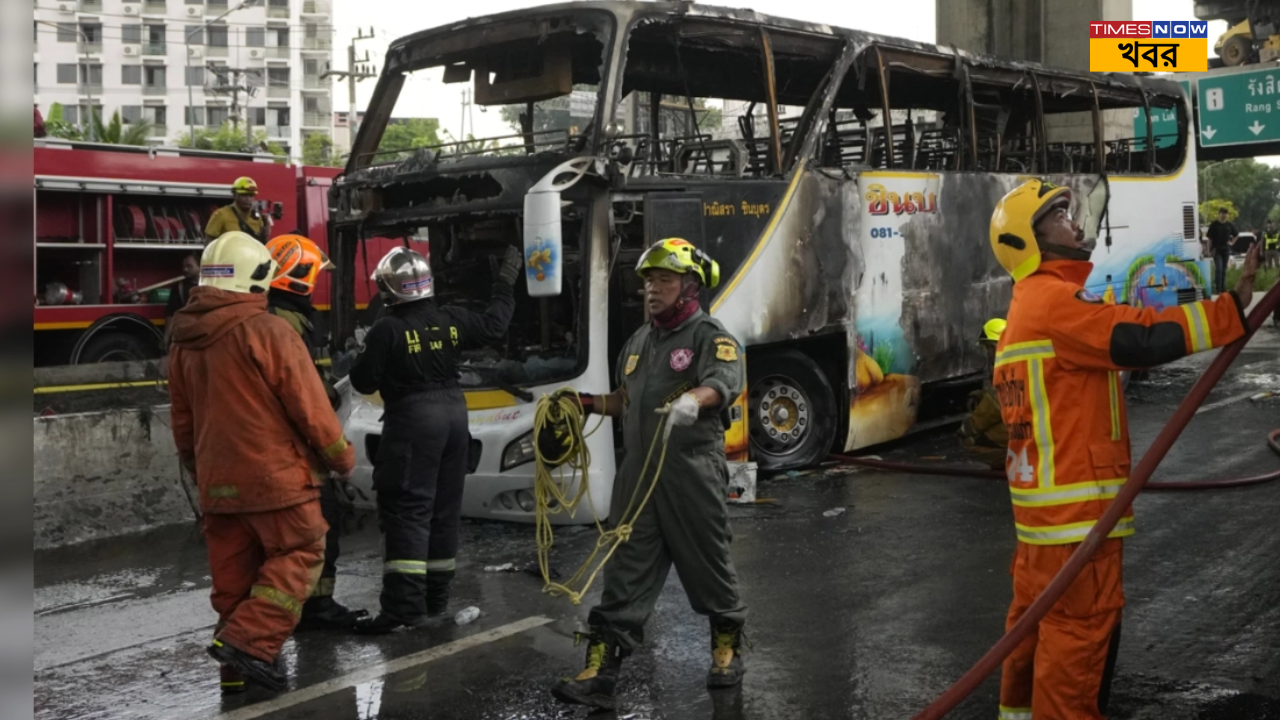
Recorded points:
(1057,379)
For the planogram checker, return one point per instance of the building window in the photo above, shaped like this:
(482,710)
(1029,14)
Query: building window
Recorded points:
(92,33)
(131,34)
(195,76)
(282,116)
(131,74)
(71,114)
(281,36)
(155,34)
(278,77)
(131,114)
(91,74)
(258,116)
(67,74)
(156,114)
(218,116)
(195,2)
(217,36)
(154,76)
(311,30)
(194,34)
(67,32)
(255,37)
(193,116)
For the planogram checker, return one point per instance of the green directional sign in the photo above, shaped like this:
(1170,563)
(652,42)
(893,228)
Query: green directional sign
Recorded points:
(1239,108)
(1164,124)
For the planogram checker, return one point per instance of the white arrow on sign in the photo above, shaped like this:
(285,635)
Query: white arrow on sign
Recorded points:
(1256,127)
(1209,132)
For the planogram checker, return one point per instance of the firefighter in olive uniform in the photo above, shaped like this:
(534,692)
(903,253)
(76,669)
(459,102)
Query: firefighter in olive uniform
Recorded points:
(301,261)
(684,365)
(240,215)
(1057,378)
(983,433)
(411,357)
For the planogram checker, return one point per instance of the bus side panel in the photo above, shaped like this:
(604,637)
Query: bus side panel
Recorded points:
(1154,257)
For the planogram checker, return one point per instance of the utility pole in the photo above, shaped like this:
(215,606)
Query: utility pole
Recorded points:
(233,88)
(191,119)
(354,74)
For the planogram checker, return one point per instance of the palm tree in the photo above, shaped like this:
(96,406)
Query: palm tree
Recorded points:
(115,133)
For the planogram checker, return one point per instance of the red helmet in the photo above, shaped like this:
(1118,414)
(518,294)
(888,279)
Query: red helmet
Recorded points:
(300,262)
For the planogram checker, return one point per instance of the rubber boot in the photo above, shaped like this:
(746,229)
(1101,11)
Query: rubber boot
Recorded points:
(437,595)
(254,670)
(325,613)
(595,685)
(231,681)
(727,667)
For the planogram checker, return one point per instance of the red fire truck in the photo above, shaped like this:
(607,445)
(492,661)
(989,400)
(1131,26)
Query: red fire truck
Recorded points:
(113,222)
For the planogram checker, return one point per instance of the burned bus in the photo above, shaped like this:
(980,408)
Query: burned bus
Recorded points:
(844,181)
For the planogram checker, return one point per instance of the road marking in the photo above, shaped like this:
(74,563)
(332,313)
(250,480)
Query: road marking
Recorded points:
(374,672)
(1223,403)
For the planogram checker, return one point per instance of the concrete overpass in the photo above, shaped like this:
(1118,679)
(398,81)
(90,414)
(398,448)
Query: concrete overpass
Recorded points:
(1056,34)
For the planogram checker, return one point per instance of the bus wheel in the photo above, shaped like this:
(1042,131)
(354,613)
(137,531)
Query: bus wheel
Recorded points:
(791,410)
(116,347)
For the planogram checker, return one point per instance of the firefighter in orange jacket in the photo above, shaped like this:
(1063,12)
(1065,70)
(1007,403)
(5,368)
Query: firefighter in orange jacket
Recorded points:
(252,422)
(1057,379)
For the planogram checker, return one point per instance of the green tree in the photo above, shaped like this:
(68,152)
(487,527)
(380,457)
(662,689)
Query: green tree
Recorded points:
(116,133)
(410,134)
(1249,185)
(56,126)
(230,138)
(1209,210)
(317,149)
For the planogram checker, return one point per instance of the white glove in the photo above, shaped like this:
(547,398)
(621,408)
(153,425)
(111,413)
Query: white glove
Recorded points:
(681,413)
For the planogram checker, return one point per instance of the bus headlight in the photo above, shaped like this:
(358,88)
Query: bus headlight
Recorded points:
(518,452)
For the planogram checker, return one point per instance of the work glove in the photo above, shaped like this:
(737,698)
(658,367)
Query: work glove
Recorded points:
(512,262)
(586,401)
(683,412)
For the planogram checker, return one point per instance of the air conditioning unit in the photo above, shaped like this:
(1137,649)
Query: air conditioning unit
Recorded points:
(66,7)
(132,50)
(195,51)
(255,53)
(195,11)
(130,9)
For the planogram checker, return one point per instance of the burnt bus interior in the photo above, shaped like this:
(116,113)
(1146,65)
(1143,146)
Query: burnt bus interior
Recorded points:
(701,103)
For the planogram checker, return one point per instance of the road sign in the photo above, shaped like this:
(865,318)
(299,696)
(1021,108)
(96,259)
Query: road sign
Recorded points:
(1164,124)
(1239,108)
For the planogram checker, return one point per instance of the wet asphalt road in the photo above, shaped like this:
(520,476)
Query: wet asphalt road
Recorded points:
(865,615)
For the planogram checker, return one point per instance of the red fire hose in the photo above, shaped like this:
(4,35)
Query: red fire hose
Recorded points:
(1030,620)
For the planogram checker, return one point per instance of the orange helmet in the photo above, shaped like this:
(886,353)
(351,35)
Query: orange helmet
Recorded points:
(300,262)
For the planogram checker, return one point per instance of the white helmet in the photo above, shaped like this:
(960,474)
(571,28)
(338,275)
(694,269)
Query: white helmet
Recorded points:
(237,262)
(404,275)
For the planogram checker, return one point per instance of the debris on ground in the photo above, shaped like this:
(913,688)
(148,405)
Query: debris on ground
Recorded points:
(467,615)
(833,512)
(505,567)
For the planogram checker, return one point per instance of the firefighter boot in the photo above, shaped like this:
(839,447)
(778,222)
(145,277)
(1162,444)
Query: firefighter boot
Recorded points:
(437,594)
(257,671)
(232,681)
(726,655)
(326,613)
(595,685)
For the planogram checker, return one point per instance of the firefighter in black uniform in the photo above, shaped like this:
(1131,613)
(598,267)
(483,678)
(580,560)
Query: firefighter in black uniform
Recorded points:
(411,357)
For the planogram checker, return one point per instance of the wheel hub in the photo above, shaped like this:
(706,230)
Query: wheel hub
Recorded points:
(782,414)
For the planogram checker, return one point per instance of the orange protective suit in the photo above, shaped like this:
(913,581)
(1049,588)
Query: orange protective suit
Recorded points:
(252,421)
(1056,376)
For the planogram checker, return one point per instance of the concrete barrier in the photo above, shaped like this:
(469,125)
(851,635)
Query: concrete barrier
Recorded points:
(103,474)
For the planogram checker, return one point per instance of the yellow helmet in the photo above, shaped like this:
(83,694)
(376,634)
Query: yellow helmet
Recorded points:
(237,262)
(993,328)
(1013,238)
(244,186)
(680,256)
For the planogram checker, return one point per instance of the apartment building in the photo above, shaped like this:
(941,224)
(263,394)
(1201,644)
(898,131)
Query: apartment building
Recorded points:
(175,64)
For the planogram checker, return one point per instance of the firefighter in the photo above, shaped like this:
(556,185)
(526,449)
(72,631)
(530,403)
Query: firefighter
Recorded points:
(300,263)
(410,356)
(1057,378)
(252,424)
(983,433)
(242,214)
(682,364)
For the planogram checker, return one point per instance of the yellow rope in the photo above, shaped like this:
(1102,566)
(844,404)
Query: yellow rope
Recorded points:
(548,488)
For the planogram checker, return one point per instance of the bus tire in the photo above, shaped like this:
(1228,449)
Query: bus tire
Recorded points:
(791,410)
(117,347)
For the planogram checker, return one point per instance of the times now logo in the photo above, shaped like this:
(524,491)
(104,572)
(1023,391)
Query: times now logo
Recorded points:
(1143,29)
